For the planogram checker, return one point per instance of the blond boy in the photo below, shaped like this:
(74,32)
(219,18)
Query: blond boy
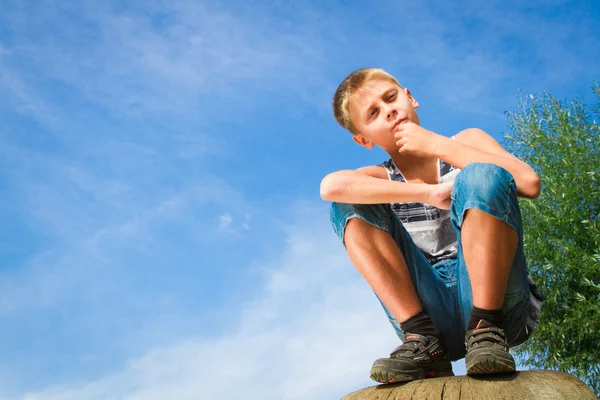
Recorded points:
(435,231)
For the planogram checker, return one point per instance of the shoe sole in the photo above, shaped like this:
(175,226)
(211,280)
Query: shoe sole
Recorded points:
(384,374)
(486,362)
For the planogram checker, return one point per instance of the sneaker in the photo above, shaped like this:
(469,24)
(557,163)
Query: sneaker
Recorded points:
(417,357)
(487,350)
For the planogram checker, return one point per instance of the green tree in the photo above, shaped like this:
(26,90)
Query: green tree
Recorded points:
(560,140)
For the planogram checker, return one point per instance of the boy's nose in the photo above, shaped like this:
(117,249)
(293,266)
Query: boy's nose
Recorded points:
(392,113)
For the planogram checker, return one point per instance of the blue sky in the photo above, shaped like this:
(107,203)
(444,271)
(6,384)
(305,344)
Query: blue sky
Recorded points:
(163,235)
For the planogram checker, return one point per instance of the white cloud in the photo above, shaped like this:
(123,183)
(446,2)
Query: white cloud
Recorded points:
(227,226)
(246,224)
(97,224)
(133,65)
(224,222)
(311,332)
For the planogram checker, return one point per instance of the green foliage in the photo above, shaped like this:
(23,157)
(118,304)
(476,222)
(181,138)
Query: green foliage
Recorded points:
(562,231)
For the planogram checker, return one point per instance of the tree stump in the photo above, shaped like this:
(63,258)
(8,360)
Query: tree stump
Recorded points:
(536,385)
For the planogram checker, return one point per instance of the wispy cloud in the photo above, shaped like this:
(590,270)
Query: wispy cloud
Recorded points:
(224,222)
(162,57)
(177,59)
(227,226)
(311,331)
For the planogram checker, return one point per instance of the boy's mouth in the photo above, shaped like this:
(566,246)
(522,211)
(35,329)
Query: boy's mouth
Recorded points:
(400,121)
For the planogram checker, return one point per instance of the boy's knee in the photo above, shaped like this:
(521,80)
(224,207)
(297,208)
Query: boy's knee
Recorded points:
(357,228)
(484,180)
(342,214)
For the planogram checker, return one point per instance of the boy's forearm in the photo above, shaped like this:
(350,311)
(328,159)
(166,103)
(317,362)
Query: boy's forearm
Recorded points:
(358,188)
(460,154)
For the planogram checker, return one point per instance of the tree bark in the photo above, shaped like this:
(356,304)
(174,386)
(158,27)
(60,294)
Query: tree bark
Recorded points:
(538,385)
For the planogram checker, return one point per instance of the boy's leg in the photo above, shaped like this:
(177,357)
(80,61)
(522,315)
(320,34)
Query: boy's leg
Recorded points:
(408,287)
(493,286)
(379,260)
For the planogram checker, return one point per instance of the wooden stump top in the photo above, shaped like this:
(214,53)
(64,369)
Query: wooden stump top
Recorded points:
(538,385)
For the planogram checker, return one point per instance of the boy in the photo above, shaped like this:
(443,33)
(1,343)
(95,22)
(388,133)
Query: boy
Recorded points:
(435,231)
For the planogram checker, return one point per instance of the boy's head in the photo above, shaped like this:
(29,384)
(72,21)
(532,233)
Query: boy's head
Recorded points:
(370,103)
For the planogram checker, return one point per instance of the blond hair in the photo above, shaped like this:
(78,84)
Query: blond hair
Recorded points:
(348,90)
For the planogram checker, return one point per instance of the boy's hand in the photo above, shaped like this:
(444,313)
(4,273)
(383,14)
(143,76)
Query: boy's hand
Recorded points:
(415,140)
(439,195)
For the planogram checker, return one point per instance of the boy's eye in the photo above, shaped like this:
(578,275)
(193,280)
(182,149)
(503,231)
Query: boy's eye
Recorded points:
(372,113)
(391,96)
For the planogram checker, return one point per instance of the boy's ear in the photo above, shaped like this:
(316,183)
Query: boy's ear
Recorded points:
(414,102)
(363,141)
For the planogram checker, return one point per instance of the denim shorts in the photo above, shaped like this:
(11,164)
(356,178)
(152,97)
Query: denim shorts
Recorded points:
(444,288)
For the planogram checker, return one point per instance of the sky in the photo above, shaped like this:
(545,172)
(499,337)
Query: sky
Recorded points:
(163,235)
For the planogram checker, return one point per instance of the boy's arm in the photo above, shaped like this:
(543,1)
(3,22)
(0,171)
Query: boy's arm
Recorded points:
(474,145)
(370,185)
(471,145)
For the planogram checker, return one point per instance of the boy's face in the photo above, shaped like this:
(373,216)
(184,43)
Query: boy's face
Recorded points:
(379,108)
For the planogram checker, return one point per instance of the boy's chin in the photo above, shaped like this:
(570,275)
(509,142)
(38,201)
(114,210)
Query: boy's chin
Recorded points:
(390,150)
